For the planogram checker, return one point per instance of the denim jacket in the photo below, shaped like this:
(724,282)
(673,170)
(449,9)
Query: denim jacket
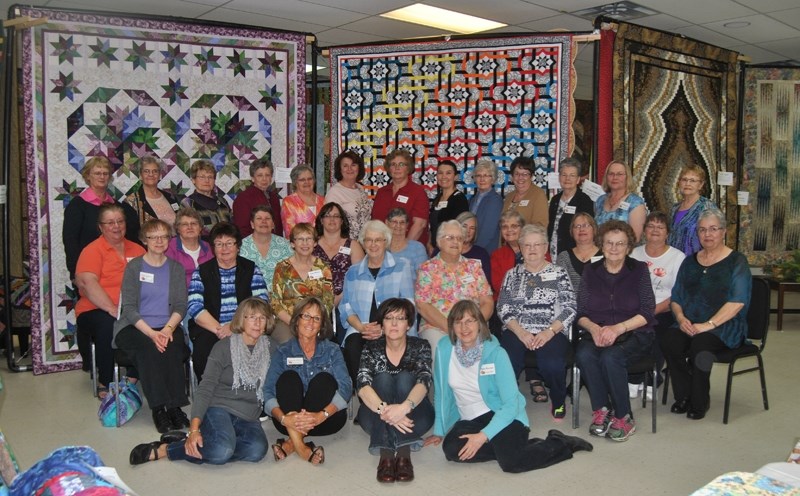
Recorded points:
(327,358)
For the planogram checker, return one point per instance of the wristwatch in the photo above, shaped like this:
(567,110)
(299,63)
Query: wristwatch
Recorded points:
(325,413)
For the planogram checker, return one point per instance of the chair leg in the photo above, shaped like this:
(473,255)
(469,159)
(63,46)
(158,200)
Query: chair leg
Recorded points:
(666,387)
(654,399)
(576,396)
(763,381)
(192,378)
(728,392)
(94,372)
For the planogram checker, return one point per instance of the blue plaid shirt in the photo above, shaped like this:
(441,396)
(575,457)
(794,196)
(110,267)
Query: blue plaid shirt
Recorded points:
(395,280)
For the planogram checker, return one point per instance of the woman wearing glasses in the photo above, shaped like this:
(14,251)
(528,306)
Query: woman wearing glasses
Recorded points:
(537,307)
(304,204)
(149,326)
(207,200)
(620,202)
(487,205)
(401,247)
(480,413)
(710,300)
(447,278)
(527,198)
(216,289)
(685,213)
(334,246)
(404,193)
(98,277)
(348,170)
(575,259)
(149,201)
(187,248)
(225,423)
(563,207)
(307,386)
(615,315)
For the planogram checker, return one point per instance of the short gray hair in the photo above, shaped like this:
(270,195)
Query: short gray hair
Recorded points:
(261,164)
(531,229)
(572,162)
(488,166)
(465,216)
(716,213)
(295,174)
(449,223)
(375,226)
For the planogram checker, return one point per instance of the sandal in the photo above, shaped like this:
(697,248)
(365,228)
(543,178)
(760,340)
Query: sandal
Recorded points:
(538,392)
(102,392)
(277,450)
(142,452)
(318,454)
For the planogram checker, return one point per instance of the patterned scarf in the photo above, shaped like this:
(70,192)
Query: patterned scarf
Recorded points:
(471,356)
(250,366)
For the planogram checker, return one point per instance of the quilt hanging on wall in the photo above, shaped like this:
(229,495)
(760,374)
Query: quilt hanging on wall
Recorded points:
(125,88)
(674,104)
(770,224)
(460,100)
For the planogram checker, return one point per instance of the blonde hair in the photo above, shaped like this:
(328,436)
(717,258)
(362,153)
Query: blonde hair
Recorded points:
(629,184)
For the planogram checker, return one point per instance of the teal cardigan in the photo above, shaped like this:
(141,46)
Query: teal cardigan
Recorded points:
(500,391)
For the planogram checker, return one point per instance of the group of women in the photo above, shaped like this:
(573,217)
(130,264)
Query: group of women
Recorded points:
(341,297)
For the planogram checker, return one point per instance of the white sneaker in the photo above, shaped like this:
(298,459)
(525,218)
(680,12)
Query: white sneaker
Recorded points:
(649,393)
(633,390)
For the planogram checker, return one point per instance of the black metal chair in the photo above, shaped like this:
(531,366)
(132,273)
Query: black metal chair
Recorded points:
(757,327)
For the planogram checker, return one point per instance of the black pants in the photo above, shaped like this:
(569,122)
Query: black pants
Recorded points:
(162,375)
(202,342)
(510,447)
(97,326)
(352,354)
(291,398)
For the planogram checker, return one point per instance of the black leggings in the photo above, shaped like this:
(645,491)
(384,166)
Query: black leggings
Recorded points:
(291,398)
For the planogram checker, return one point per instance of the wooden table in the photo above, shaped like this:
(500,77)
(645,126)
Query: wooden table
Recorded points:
(781,287)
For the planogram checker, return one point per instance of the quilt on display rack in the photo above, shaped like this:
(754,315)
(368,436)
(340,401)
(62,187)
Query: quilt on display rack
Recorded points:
(462,100)
(674,104)
(124,88)
(770,224)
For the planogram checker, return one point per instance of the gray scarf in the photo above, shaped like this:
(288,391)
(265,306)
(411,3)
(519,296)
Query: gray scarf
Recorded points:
(250,367)
(471,356)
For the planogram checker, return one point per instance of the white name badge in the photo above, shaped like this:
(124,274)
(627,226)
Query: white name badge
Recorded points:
(595,258)
(128,259)
(146,277)
(487,369)
(441,205)
(523,203)
(175,207)
(294,360)
(468,279)
(402,199)
(569,209)
(624,205)
(315,274)
(549,276)
(345,250)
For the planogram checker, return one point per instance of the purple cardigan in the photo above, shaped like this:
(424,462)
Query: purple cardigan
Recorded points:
(175,252)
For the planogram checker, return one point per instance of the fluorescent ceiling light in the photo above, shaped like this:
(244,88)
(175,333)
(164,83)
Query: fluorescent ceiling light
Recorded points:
(319,67)
(450,21)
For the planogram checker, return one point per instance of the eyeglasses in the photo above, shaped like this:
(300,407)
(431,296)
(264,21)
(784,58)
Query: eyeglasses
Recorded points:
(618,244)
(256,318)
(226,244)
(395,320)
(711,230)
(304,179)
(332,216)
(581,226)
(398,165)
(689,180)
(616,174)
(483,176)
(100,174)
(368,241)
(534,245)
(150,172)
(398,222)
(656,227)
(308,318)
(189,224)
(204,177)
(465,322)
(510,226)
(568,176)
(453,237)
(303,240)
(163,237)
(522,174)
(119,222)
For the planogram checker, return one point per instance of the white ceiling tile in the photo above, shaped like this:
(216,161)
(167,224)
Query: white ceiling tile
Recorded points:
(708,36)
(391,28)
(337,36)
(761,28)
(251,19)
(560,22)
(663,22)
(505,11)
(213,3)
(567,5)
(297,11)
(790,17)
(699,11)
(758,55)
(769,5)
(789,49)
(152,7)
(372,7)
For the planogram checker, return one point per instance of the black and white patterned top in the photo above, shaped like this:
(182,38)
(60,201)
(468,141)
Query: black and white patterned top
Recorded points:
(537,299)
(416,360)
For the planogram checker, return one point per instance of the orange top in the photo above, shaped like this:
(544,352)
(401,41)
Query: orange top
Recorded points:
(101,259)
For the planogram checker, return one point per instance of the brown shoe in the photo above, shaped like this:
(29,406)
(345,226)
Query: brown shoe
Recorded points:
(403,470)
(386,470)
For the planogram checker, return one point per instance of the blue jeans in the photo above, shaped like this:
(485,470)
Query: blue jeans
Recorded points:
(605,370)
(226,438)
(394,389)
(551,363)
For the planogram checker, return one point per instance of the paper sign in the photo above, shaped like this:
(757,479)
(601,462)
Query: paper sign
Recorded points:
(592,189)
(552,181)
(725,178)
(742,198)
(283,175)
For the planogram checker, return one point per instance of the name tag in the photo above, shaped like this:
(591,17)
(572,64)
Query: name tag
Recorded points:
(595,258)
(146,277)
(487,369)
(523,203)
(128,259)
(569,209)
(315,274)
(550,276)
(294,360)
(441,205)
(468,279)
(175,207)
(402,199)
(344,250)
(624,205)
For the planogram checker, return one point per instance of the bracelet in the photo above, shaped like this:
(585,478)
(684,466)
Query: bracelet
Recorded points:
(413,405)
(381,406)
(169,326)
(192,432)
(712,323)
(283,417)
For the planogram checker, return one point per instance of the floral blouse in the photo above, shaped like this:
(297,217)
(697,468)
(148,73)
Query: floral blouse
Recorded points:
(338,264)
(443,286)
(294,211)
(416,360)
(288,288)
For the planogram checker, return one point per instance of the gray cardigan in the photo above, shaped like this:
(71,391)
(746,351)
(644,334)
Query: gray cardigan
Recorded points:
(131,291)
